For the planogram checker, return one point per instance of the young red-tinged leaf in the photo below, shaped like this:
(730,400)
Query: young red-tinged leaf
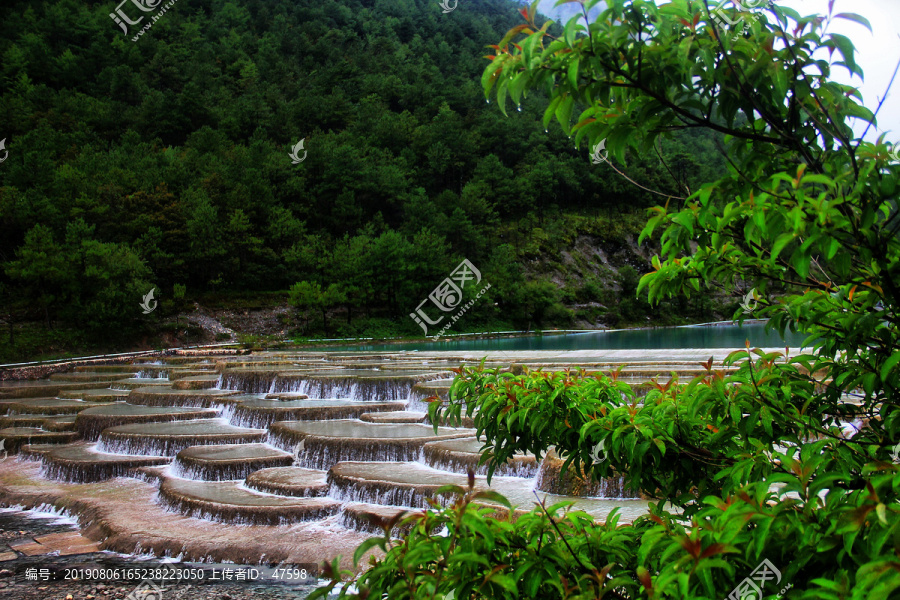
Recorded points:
(521,28)
(581,124)
(858,516)
(532,10)
(714,549)
(875,287)
(690,546)
(644,578)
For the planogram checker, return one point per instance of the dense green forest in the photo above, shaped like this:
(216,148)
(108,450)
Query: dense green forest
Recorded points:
(165,160)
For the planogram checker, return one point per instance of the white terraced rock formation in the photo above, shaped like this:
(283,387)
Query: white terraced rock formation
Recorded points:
(303,453)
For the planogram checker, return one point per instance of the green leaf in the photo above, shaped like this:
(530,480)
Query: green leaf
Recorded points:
(492,73)
(493,497)
(573,74)
(889,365)
(501,95)
(856,19)
(845,47)
(504,581)
(517,85)
(572,28)
(449,489)
(463,557)
(551,110)
(564,111)
(368,545)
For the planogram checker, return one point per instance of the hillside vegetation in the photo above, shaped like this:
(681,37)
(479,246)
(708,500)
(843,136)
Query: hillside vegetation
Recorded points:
(164,162)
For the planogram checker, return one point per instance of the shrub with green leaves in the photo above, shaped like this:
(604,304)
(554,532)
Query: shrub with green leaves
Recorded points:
(748,463)
(472,550)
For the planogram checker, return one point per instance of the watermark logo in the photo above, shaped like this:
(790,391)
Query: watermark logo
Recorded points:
(445,4)
(751,588)
(146,590)
(299,448)
(721,15)
(596,157)
(123,20)
(149,308)
(295,153)
(3,148)
(894,154)
(120,18)
(448,295)
(750,302)
(595,453)
(3,451)
(895,454)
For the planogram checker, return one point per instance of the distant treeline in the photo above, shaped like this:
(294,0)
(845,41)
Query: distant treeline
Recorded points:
(165,161)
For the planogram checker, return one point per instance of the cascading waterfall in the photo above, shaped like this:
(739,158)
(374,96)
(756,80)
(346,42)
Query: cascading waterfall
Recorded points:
(230,472)
(168,439)
(156,447)
(162,374)
(226,462)
(178,505)
(323,433)
(228,413)
(422,390)
(243,417)
(88,464)
(251,382)
(550,478)
(385,495)
(416,404)
(322,454)
(365,389)
(445,459)
(366,521)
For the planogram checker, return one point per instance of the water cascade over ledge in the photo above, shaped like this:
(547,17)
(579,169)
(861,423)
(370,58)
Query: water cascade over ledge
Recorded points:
(293,445)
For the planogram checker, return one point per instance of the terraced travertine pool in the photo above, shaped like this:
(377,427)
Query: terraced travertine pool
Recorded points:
(275,456)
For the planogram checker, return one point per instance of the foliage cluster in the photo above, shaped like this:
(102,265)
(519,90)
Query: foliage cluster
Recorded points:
(174,149)
(748,461)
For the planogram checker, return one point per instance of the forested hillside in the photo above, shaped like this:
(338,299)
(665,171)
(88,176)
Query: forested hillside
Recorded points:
(165,160)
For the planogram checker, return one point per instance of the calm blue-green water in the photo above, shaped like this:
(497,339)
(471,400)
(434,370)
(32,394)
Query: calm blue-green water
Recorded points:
(704,336)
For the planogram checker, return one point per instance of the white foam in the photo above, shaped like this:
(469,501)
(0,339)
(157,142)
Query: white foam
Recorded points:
(44,511)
